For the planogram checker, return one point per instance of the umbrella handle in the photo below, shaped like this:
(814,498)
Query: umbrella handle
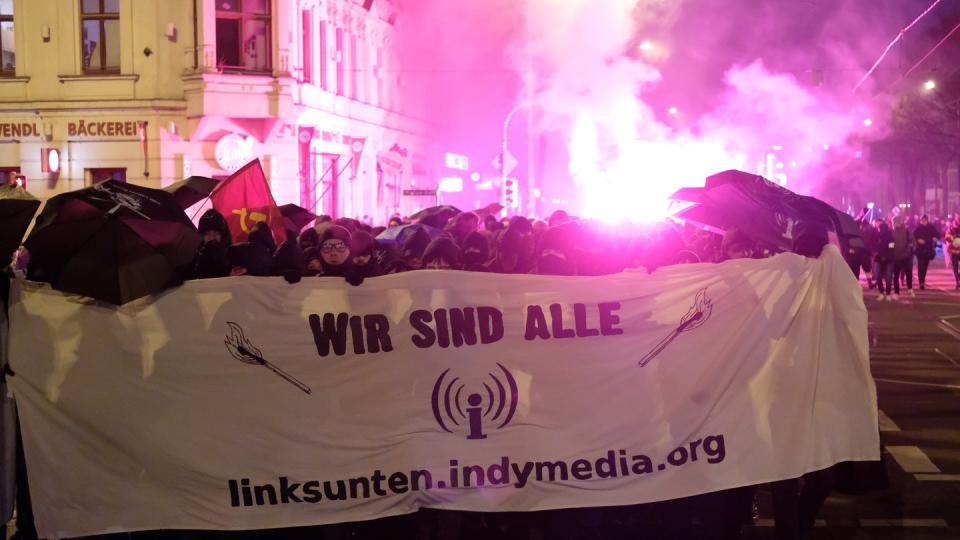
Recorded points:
(289,378)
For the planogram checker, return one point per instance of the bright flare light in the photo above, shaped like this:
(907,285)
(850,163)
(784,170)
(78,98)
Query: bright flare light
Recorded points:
(868,122)
(929,85)
(627,178)
(672,110)
(646,46)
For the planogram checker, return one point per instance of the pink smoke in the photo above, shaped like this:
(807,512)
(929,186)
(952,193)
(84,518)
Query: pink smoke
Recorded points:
(654,95)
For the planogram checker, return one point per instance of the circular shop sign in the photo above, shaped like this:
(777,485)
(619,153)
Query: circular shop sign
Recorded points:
(233,151)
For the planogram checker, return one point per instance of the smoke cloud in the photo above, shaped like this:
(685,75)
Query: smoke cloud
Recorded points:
(653,95)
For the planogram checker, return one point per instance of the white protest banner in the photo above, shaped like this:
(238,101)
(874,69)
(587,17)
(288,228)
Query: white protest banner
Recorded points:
(244,403)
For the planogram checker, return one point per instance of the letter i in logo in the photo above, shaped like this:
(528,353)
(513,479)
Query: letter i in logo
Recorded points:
(475,413)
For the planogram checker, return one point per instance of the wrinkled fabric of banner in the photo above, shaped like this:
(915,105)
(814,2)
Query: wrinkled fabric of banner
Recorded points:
(239,403)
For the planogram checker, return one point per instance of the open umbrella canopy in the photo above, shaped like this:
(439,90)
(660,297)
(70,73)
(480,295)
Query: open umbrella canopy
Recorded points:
(401,233)
(296,217)
(489,210)
(435,216)
(16,211)
(115,242)
(766,211)
(192,190)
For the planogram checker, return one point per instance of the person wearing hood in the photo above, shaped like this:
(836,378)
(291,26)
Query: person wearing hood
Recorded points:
(926,236)
(883,250)
(335,251)
(210,260)
(362,246)
(313,262)
(903,244)
(554,257)
(462,225)
(442,254)
(508,258)
(309,238)
(288,261)
(475,252)
(213,226)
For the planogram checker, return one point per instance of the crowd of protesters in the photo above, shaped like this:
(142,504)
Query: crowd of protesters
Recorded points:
(350,249)
(891,245)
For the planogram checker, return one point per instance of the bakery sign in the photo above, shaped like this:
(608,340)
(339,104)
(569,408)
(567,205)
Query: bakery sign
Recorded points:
(233,151)
(104,128)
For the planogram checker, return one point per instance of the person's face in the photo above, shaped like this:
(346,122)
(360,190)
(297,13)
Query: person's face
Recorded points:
(924,221)
(334,252)
(361,260)
(211,236)
(315,265)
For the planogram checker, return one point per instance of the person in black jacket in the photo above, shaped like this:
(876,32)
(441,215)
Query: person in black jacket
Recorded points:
(926,236)
(883,250)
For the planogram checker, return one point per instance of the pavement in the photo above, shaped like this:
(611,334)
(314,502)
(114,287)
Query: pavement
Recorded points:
(915,359)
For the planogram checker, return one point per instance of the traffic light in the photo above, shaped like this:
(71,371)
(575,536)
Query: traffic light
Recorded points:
(509,195)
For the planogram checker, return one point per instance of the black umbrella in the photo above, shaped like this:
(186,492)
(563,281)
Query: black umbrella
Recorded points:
(192,190)
(766,211)
(114,242)
(435,216)
(295,217)
(16,210)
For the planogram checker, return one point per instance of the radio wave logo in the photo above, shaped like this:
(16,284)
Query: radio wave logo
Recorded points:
(494,406)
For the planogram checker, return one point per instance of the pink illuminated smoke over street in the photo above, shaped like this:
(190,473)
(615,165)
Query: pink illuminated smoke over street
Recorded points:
(624,101)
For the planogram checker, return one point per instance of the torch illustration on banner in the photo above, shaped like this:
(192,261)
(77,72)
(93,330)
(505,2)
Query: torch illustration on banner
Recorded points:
(244,351)
(698,314)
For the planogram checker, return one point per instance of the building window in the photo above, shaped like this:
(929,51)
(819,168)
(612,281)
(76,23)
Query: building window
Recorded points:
(8,61)
(307,57)
(324,52)
(243,35)
(354,68)
(100,35)
(340,58)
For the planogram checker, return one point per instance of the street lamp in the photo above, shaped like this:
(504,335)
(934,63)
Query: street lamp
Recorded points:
(503,148)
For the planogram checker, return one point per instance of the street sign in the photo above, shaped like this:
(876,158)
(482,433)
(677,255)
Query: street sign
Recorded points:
(420,192)
(508,166)
(457,161)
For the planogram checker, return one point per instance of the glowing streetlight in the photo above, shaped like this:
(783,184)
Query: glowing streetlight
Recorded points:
(672,110)
(929,85)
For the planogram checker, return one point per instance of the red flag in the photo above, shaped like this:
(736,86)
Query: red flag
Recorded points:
(244,199)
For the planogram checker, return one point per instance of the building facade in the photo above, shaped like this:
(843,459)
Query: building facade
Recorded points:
(153,91)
